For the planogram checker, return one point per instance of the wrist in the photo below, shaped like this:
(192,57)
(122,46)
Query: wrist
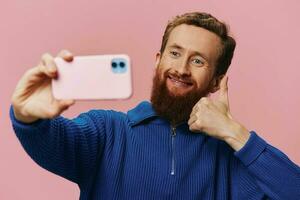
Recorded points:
(23,118)
(238,137)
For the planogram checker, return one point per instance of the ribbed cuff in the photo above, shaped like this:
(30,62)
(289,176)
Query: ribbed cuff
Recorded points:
(22,125)
(252,149)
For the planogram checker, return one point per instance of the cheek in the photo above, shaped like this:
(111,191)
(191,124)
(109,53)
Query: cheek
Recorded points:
(202,78)
(160,72)
(167,62)
(163,67)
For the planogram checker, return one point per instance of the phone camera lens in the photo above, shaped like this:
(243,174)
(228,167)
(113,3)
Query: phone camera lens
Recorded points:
(122,64)
(114,65)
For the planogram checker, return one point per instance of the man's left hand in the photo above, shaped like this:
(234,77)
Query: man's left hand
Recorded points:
(213,118)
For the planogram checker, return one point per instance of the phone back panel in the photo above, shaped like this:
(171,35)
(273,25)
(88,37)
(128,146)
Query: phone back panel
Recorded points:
(93,77)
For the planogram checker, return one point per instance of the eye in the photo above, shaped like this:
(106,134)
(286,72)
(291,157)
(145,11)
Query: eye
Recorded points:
(197,61)
(174,53)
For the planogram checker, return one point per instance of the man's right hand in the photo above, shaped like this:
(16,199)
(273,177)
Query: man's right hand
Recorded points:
(33,98)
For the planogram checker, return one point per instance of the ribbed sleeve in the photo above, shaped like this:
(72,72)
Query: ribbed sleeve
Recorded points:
(275,174)
(63,146)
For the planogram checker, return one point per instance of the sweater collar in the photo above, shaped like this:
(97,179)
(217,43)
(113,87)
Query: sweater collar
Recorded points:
(141,112)
(144,112)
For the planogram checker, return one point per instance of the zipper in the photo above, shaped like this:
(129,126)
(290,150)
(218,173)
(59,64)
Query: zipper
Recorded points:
(173,134)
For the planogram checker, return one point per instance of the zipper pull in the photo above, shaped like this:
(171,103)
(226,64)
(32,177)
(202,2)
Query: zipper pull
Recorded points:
(173,131)
(173,150)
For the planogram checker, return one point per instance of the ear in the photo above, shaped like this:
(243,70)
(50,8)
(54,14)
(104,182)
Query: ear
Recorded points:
(215,83)
(157,59)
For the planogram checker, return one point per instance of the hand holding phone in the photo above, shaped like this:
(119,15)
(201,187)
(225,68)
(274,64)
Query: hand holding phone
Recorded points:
(93,77)
(33,98)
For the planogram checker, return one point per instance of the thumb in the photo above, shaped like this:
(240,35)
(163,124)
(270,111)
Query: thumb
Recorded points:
(223,95)
(62,105)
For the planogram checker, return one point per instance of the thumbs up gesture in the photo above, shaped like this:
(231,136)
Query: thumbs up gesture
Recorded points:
(213,117)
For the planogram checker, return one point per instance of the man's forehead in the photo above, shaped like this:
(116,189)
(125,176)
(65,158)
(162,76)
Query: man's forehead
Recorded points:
(196,39)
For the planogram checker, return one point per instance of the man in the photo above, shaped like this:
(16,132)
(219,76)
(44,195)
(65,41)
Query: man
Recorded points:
(182,145)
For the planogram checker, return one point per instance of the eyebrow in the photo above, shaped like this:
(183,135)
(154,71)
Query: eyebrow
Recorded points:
(195,52)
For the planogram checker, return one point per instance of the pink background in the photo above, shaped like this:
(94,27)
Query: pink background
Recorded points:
(263,78)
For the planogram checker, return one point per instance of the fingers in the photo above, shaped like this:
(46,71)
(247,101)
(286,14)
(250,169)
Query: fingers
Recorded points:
(45,67)
(192,119)
(66,55)
(203,101)
(195,124)
(48,65)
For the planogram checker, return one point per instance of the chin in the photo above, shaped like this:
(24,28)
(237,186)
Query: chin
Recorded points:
(178,93)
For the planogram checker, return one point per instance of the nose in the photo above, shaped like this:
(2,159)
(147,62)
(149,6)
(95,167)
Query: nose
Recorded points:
(183,67)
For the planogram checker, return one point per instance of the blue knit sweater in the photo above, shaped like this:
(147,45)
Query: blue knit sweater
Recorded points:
(137,155)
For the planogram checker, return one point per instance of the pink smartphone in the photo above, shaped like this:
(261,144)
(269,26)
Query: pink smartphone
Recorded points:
(93,77)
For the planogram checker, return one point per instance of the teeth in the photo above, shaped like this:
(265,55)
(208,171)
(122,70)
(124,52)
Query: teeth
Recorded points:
(179,82)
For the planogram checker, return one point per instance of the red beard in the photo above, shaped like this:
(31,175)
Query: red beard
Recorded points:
(174,108)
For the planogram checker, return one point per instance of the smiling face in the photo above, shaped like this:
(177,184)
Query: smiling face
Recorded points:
(185,72)
(189,60)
